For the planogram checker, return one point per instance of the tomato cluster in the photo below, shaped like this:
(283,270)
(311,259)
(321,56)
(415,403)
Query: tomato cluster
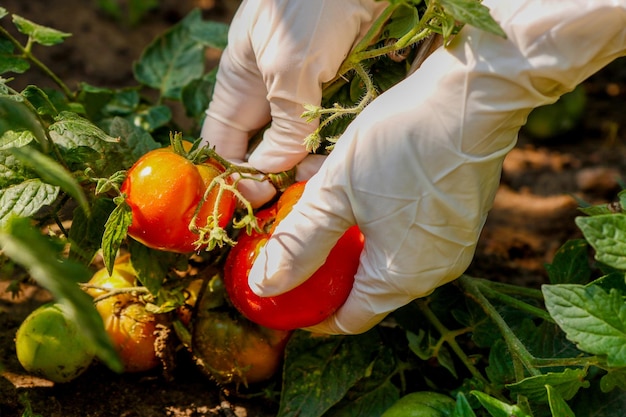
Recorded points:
(309,303)
(165,191)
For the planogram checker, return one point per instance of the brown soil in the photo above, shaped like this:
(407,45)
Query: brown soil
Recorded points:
(533,215)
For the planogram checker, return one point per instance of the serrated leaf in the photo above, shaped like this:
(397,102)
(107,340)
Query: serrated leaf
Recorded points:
(12,171)
(25,244)
(138,140)
(497,408)
(172,60)
(319,371)
(473,13)
(16,116)
(71,131)
(53,173)
(591,318)
(26,198)
(41,34)
(607,235)
(115,230)
(570,264)
(566,383)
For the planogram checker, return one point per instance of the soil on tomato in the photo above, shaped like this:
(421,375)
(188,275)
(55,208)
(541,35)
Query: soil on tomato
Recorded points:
(533,215)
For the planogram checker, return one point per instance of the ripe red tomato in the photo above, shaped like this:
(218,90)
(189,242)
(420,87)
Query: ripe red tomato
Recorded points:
(309,303)
(163,190)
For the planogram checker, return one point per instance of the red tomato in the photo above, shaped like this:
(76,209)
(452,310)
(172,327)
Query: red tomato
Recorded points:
(163,190)
(309,303)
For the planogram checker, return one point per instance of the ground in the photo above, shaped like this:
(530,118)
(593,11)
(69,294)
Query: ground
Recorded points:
(532,216)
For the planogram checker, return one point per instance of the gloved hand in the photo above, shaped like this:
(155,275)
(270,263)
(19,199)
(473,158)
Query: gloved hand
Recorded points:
(278,55)
(418,169)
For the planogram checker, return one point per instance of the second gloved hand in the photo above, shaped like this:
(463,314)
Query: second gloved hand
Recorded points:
(419,168)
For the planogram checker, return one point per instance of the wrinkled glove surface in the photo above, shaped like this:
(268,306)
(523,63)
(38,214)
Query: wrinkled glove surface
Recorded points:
(418,169)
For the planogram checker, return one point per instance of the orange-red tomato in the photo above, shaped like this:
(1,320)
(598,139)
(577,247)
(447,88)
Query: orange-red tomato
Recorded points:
(309,303)
(123,276)
(164,190)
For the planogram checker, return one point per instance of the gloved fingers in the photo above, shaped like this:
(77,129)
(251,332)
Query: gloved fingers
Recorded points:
(299,244)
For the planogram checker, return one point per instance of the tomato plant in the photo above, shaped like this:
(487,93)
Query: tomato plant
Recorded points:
(309,303)
(166,192)
(49,343)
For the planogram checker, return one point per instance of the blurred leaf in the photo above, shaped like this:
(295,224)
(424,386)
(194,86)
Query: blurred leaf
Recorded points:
(463,407)
(10,62)
(38,33)
(404,19)
(497,408)
(500,369)
(136,139)
(607,235)
(16,116)
(12,171)
(26,198)
(558,406)
(209,33)
(197,94)
(172,60)
(614,378)
(566,383)
(592,402)
(26,245)
(151,265)
(592,318)
(473,13)
(53,173)
(152,117)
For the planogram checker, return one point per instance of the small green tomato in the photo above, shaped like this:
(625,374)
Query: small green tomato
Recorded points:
(49,344)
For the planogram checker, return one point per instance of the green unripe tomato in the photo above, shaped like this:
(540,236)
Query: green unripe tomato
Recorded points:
(49,344)
(422,404)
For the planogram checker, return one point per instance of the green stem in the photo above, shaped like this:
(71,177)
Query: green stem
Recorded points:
(513,302)
(512,289)
(450,337)
(517,349)
(26,52)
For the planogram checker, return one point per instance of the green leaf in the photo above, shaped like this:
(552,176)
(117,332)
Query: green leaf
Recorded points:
(38,33)
(172,60)
(16,139)
(25,245)
(3,12)
(26,198)
(17,116)
(53,173)
(197,94)
(153,117)
(607,235)
(209,33)
(463,407)
(592,318)
(566,383)
(115,230)
(138,140)
(71,131)
(500,370)
(87,231)
(594,403)
(404,19)
(12,171)
(558,406)
(570,264)
(497,408)
(615,378)
(40,100)
(10,62)
(151,265)
(473,13)
(319,371)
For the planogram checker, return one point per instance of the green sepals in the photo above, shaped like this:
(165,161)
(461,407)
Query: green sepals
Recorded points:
(42,35)
(473,13)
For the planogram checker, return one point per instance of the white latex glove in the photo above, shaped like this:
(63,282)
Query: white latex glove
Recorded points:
(419,168)
(278,55)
